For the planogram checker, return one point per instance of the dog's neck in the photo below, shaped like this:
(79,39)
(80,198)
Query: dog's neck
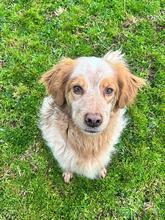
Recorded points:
(88,145)
(85,145)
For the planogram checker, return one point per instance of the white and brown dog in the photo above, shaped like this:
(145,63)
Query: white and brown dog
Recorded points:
(83,117)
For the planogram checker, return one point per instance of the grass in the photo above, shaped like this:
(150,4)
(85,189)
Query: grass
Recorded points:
(34,36)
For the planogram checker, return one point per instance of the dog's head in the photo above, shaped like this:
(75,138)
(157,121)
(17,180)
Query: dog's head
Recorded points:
(92,88)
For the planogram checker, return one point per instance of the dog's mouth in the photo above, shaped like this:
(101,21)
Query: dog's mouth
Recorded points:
(89,131)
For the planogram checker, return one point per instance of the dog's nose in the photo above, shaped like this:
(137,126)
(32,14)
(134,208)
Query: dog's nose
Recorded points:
(93,120)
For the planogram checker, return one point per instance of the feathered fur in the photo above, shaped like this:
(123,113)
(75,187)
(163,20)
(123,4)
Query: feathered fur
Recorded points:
(62,114)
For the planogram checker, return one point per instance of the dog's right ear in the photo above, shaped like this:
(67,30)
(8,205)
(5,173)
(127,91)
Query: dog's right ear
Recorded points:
(55,80)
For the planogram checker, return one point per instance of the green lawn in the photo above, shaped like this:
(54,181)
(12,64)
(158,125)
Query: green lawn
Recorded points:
(34,36)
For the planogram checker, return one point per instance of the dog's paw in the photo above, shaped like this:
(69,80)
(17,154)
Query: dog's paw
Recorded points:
(103,173)
(67,176)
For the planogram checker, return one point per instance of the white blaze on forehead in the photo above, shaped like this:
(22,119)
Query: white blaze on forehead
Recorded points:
(92,68)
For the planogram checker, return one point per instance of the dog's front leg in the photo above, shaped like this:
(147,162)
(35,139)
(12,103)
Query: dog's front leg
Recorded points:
(67,175)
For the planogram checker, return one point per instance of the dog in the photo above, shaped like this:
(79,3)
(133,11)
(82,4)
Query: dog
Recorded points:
(84,114)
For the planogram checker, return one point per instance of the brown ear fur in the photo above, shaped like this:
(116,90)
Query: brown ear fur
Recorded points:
(55,80)
(128,85)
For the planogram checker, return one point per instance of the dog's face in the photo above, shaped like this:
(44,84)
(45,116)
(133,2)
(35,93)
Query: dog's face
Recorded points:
(91,93)
(92,88)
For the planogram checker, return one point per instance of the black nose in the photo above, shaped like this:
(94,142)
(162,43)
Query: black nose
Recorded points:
(93,120)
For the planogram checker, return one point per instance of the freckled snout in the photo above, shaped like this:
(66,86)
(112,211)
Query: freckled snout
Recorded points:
(93,120)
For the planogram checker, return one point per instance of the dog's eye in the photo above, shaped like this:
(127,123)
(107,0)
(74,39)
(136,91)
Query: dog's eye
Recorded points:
(78,90)
(108,91)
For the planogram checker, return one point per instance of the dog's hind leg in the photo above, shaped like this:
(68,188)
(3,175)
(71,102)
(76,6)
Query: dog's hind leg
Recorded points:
(103,173)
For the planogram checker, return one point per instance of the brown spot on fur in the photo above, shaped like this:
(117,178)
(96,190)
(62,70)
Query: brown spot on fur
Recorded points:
(79,80)
(56,78)
(70,95)
(109,83)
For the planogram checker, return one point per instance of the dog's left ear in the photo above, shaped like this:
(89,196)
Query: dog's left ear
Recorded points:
(128,83)
(55,79)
